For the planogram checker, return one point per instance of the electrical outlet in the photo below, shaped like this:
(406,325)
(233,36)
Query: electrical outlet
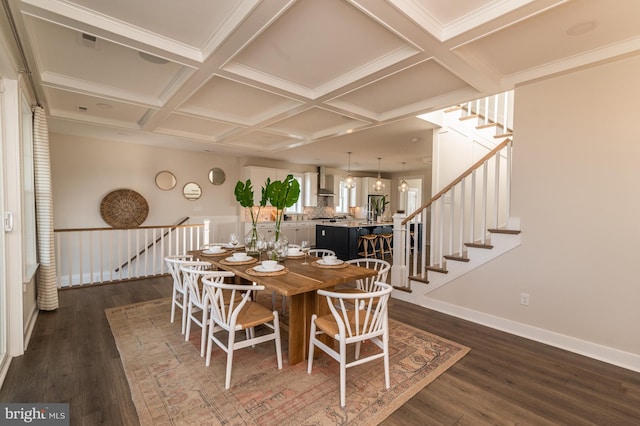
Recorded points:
(524,299)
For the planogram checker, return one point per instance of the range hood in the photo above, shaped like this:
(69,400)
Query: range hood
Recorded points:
(325,184)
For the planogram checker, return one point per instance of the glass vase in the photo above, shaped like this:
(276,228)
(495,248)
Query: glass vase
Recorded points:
(278,248)
(251,241)
(281,248)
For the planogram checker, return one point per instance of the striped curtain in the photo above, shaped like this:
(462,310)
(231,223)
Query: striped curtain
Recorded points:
(47,275)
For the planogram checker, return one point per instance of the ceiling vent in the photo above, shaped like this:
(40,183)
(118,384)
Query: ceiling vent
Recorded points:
(88,40)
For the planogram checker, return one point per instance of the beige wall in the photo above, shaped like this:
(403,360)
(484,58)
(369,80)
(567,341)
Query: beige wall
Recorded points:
(85,170)
(576,188)
(425,190)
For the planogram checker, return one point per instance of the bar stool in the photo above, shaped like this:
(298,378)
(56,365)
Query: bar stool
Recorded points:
(367,243)
(386,242)
(360,232)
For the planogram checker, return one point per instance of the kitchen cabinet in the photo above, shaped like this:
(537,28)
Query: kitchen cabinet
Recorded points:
(342,240)
(289,233)
(294,232)
(310,189)
(298,232)
(259,176)
(367,189)
(268,230)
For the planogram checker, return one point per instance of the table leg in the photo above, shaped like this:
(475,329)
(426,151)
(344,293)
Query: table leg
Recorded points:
(301,308)
(299,318)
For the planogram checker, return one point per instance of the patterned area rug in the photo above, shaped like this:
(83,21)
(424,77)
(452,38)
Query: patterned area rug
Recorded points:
(170,384)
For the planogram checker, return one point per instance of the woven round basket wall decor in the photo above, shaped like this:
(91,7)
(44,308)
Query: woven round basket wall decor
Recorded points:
(124,208)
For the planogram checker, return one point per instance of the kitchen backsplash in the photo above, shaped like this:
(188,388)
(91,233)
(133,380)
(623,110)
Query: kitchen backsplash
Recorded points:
(319,212)
(268,214)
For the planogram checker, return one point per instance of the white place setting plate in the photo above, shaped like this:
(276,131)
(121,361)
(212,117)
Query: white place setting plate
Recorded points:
(231,246)
(213,252)
(337,262)
(233,259)
(259,268)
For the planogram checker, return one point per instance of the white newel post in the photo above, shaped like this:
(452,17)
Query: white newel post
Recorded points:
(399,268)
(207,225)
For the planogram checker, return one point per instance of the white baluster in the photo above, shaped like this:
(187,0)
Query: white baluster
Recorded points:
(508,179)
(461,218)
(451,219)
(472,208)
(496,179)
(484,202)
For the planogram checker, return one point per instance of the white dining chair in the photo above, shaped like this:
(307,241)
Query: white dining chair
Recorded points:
(198,305)
(232,311)
(368,322)
(180,293)
(366,284)
(318,252)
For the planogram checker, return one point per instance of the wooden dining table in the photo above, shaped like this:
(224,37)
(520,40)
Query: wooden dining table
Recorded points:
(299,284)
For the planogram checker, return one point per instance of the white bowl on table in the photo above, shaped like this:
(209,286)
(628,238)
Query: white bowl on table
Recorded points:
(240,256)
(269,265)
(330,260)
(293,251)
(213,249)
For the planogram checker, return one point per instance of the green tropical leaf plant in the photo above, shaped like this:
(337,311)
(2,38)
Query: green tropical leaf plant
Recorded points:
(244,195)
(282,194)
(379,205)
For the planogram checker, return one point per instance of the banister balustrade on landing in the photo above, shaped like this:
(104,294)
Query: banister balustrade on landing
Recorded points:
(87,256)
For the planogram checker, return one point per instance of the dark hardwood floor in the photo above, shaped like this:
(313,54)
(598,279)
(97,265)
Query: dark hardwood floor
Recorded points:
(505,379)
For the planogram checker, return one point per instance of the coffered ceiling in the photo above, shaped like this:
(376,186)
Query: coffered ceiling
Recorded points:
(302,81)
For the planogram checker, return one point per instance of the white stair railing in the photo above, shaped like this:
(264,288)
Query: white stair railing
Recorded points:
(494,110)
(99,255)
(458,215)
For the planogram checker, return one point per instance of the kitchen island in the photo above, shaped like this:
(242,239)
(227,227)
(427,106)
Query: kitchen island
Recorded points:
(342,237)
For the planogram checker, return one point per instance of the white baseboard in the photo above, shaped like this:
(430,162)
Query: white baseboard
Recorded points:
(592,350)
(31,323)
(5,362)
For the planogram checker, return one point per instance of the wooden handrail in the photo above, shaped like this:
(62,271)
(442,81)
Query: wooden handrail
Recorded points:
(125,229)
(459,179)
(141,252)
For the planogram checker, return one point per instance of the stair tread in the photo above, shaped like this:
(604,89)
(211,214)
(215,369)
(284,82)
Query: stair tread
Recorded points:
(486,126)
(469,117)
(453,108)
(504,135)
(456,257)
(442,270)
(504,231)
(419,279)
(479,245)
(406,289)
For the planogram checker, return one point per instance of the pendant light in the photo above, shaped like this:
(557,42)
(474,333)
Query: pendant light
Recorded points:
(349,182)
(404,186)
(379,185)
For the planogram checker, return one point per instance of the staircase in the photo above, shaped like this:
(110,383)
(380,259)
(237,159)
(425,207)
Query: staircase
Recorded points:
(468,222)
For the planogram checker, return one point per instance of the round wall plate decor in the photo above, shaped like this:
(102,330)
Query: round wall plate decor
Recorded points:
(124,208)
(216,176)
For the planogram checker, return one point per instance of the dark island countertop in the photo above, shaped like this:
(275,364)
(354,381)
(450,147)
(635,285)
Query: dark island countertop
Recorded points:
(355,224)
